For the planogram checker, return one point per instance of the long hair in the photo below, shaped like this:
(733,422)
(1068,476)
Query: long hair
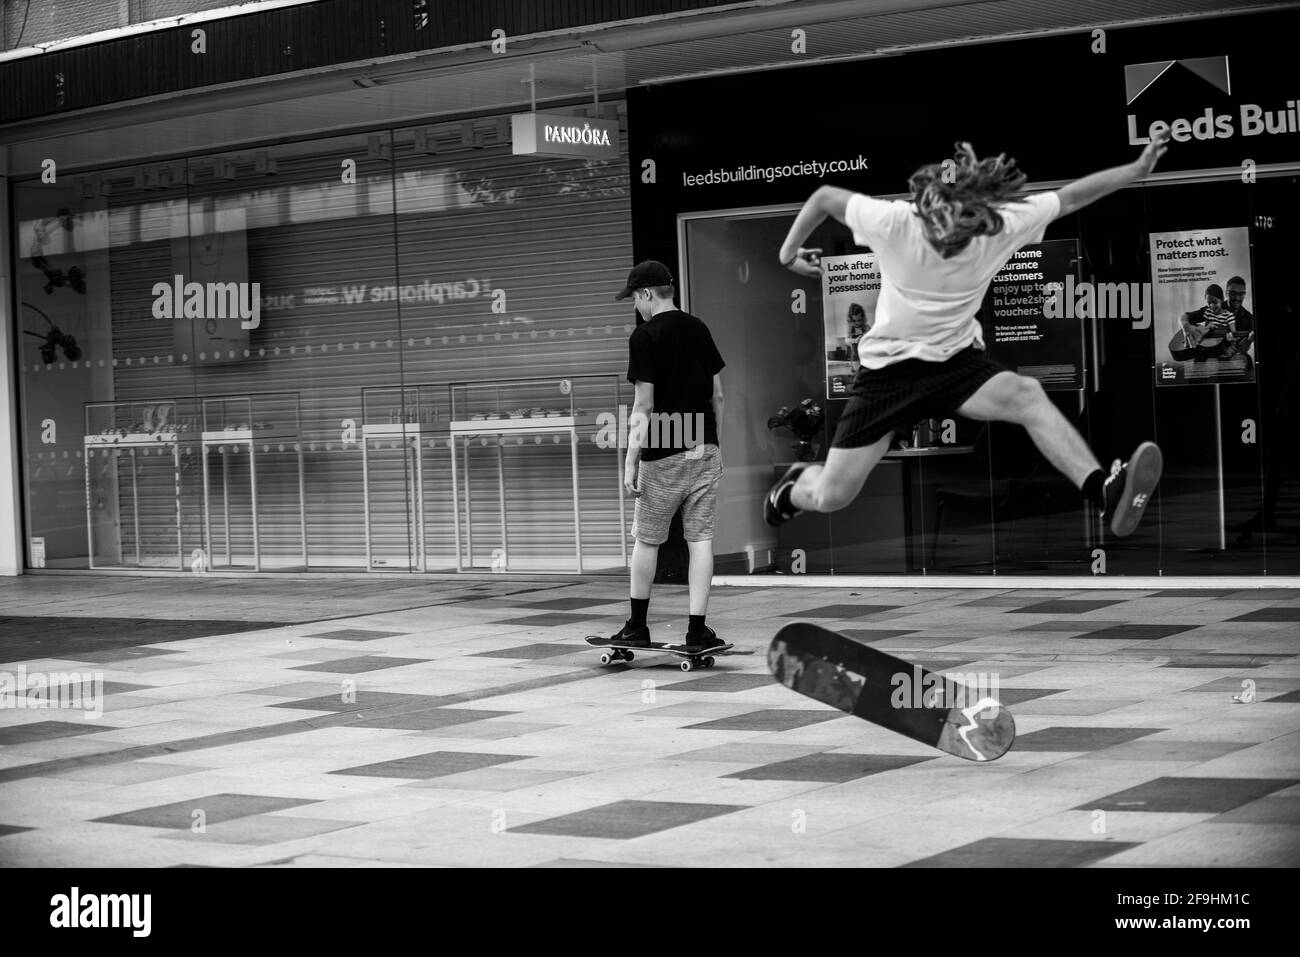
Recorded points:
(957,200)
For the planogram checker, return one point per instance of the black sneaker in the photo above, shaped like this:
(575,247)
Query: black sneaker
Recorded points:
(1128,488)
(774,512)
(629,634)
(703,640)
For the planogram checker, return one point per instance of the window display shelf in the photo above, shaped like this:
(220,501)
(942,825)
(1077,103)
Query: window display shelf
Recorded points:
(400,414)
(520,425)
(274,417)
(521,407)
(141,422)
(269,434)
(139,439)
(132,427)
(397,430)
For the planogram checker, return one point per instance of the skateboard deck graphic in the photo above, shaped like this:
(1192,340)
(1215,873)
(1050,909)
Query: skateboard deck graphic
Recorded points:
(690,659)
(893,693)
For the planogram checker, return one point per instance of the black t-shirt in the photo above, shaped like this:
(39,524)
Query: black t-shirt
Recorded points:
(676,352)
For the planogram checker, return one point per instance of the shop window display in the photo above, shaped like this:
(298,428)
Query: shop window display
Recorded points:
(178,294)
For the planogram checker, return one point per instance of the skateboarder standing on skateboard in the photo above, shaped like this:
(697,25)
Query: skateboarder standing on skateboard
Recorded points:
(673,460)
(924,356)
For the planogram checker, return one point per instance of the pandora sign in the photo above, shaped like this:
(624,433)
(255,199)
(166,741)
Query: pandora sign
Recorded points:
(551,134)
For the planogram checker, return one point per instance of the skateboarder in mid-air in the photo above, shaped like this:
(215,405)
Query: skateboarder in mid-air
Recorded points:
(925,357)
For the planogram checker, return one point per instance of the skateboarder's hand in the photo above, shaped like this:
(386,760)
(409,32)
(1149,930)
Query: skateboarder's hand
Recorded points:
(629,481)
(1155,149)
(807,262)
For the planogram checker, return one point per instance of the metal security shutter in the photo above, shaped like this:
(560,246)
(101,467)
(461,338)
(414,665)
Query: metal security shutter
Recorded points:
(146,370)
(551,236)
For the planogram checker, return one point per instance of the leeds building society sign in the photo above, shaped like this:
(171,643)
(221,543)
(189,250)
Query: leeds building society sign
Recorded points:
(553,134)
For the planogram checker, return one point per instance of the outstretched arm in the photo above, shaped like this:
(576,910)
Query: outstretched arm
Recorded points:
(827,201)
(1091,188)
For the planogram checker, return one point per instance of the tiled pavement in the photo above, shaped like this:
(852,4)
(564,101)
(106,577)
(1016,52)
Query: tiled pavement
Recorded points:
(379,721)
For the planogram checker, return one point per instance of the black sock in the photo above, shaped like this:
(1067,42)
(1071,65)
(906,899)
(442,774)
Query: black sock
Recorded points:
(639,607)
(695,623)
(1092,488)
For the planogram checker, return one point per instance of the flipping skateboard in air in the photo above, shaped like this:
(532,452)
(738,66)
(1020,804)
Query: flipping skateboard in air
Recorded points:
(888,691)
(690,659)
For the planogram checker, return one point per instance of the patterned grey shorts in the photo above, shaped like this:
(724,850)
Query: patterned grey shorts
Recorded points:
(685,481)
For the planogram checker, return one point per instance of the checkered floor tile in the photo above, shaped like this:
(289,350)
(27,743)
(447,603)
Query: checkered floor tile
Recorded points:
(476,728)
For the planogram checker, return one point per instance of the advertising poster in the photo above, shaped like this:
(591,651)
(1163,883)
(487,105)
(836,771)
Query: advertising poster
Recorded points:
(850,288)
(1201,306)
(1027,325)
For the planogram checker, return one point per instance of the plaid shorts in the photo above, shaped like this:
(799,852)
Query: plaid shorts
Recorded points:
(685,481)
(898,396)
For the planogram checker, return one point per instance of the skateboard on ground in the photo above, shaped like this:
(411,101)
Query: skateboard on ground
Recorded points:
(924,705)
(690,659)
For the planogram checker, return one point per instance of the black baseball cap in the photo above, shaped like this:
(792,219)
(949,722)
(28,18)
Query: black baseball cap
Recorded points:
(643,274)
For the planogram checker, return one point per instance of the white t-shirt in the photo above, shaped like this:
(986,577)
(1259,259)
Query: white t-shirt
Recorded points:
(927,304)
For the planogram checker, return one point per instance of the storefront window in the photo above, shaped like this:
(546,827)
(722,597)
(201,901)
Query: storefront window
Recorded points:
(248,361)
(962,497)
(266,360)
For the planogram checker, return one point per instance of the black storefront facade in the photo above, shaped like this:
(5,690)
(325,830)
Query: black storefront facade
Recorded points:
(719,165)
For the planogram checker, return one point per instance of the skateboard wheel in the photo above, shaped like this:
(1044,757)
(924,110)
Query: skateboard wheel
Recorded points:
(605,659)
(688,665)
(708,662)
(628,656)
